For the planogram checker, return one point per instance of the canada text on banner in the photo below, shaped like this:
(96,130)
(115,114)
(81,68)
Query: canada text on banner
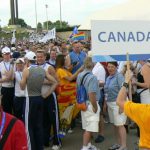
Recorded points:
(112,40)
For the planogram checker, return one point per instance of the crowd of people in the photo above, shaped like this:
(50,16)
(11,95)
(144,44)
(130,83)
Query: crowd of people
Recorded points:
(32,75)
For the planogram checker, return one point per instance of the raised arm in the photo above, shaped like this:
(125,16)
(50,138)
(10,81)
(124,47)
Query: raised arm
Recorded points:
(24,78)
(122,96)
(53,83)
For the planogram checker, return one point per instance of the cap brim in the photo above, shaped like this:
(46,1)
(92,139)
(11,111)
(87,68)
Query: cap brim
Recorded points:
(6,53)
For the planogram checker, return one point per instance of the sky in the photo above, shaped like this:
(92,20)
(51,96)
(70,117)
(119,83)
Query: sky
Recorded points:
(72,11)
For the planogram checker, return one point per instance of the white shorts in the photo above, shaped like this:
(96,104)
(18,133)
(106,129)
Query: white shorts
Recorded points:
(90,120)
(114,116)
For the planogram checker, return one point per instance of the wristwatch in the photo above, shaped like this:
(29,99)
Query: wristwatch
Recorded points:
(125,84)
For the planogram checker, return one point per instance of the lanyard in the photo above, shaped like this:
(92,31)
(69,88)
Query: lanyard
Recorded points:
(3,123)
(8,69)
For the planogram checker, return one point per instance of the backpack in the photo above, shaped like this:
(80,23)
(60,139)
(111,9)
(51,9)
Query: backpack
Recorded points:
(82,95)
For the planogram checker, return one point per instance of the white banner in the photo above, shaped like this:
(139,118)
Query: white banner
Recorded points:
(13,40)
(50,35)
(119,37)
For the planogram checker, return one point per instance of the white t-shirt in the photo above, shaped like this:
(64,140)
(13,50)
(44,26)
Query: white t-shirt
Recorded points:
(99,72)
(6,66)
(18,91)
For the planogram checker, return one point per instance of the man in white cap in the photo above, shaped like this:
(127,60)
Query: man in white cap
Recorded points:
(32,81)
(7,90)
(19,95)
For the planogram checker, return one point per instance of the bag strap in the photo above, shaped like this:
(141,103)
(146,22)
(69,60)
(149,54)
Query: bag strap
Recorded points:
(7,131)
(143,91)
(84,77)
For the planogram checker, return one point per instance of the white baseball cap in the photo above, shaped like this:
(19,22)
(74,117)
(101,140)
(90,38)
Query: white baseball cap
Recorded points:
(30,56)
(20,61)
(5,50)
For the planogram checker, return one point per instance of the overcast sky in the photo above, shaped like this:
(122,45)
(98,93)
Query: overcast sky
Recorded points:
(73,11)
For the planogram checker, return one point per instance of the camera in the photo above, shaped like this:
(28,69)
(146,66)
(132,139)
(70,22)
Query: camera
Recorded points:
(74,63)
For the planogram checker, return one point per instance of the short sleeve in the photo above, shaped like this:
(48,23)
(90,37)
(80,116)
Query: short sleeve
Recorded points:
(92,85)
(132,110)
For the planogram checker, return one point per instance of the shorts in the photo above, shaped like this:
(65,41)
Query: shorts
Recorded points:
(114,116)
(90,120)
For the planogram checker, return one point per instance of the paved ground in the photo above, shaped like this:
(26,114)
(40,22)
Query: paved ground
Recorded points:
(73,141)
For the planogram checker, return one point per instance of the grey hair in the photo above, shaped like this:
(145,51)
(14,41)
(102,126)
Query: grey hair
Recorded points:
(88,64)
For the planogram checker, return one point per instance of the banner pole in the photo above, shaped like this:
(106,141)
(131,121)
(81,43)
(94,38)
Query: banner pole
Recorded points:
(128,69)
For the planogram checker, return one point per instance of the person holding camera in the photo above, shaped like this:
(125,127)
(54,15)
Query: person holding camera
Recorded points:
(75,58)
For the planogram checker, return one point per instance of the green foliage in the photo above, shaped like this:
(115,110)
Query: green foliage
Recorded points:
(58,25)
(39,27)
(19,21)
(49,23)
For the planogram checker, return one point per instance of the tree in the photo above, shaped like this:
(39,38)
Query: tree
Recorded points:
(62,24)
(56,24)
(50,25)
(19,21)
(0,26)
(39,27)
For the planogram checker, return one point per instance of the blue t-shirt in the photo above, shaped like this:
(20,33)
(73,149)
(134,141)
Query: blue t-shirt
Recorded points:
(112,86)
(90,83)
(77,58)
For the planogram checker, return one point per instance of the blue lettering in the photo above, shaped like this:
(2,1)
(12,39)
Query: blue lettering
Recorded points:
(131,37)
(111,37)
(140,36)
(121,36)
(99,36)
(148,37)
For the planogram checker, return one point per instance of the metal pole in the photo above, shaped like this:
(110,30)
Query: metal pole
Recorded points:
(12,9)
(46,16)
(60,14)
(17,9)
(35,15)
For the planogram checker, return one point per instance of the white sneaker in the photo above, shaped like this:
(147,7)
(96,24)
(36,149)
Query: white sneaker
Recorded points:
(92,147)
(70,131)
(56,147)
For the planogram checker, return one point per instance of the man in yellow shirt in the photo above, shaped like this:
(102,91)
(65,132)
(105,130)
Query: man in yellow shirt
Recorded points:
(139,113)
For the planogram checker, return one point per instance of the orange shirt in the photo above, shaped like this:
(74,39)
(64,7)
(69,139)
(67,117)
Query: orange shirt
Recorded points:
(140,113)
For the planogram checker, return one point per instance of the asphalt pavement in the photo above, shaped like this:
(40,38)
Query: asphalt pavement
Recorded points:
(73,141)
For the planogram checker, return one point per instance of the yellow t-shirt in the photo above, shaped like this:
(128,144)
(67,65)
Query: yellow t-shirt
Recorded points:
(140,113)
(62,73)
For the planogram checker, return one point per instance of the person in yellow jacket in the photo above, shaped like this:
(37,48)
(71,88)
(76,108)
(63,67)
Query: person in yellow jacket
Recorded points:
(139,113)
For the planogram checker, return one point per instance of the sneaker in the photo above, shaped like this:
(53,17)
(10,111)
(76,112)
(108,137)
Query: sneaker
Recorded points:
(56,147)
(70,131)
(122,148)
(99,139)
(92,147)
(114,147)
